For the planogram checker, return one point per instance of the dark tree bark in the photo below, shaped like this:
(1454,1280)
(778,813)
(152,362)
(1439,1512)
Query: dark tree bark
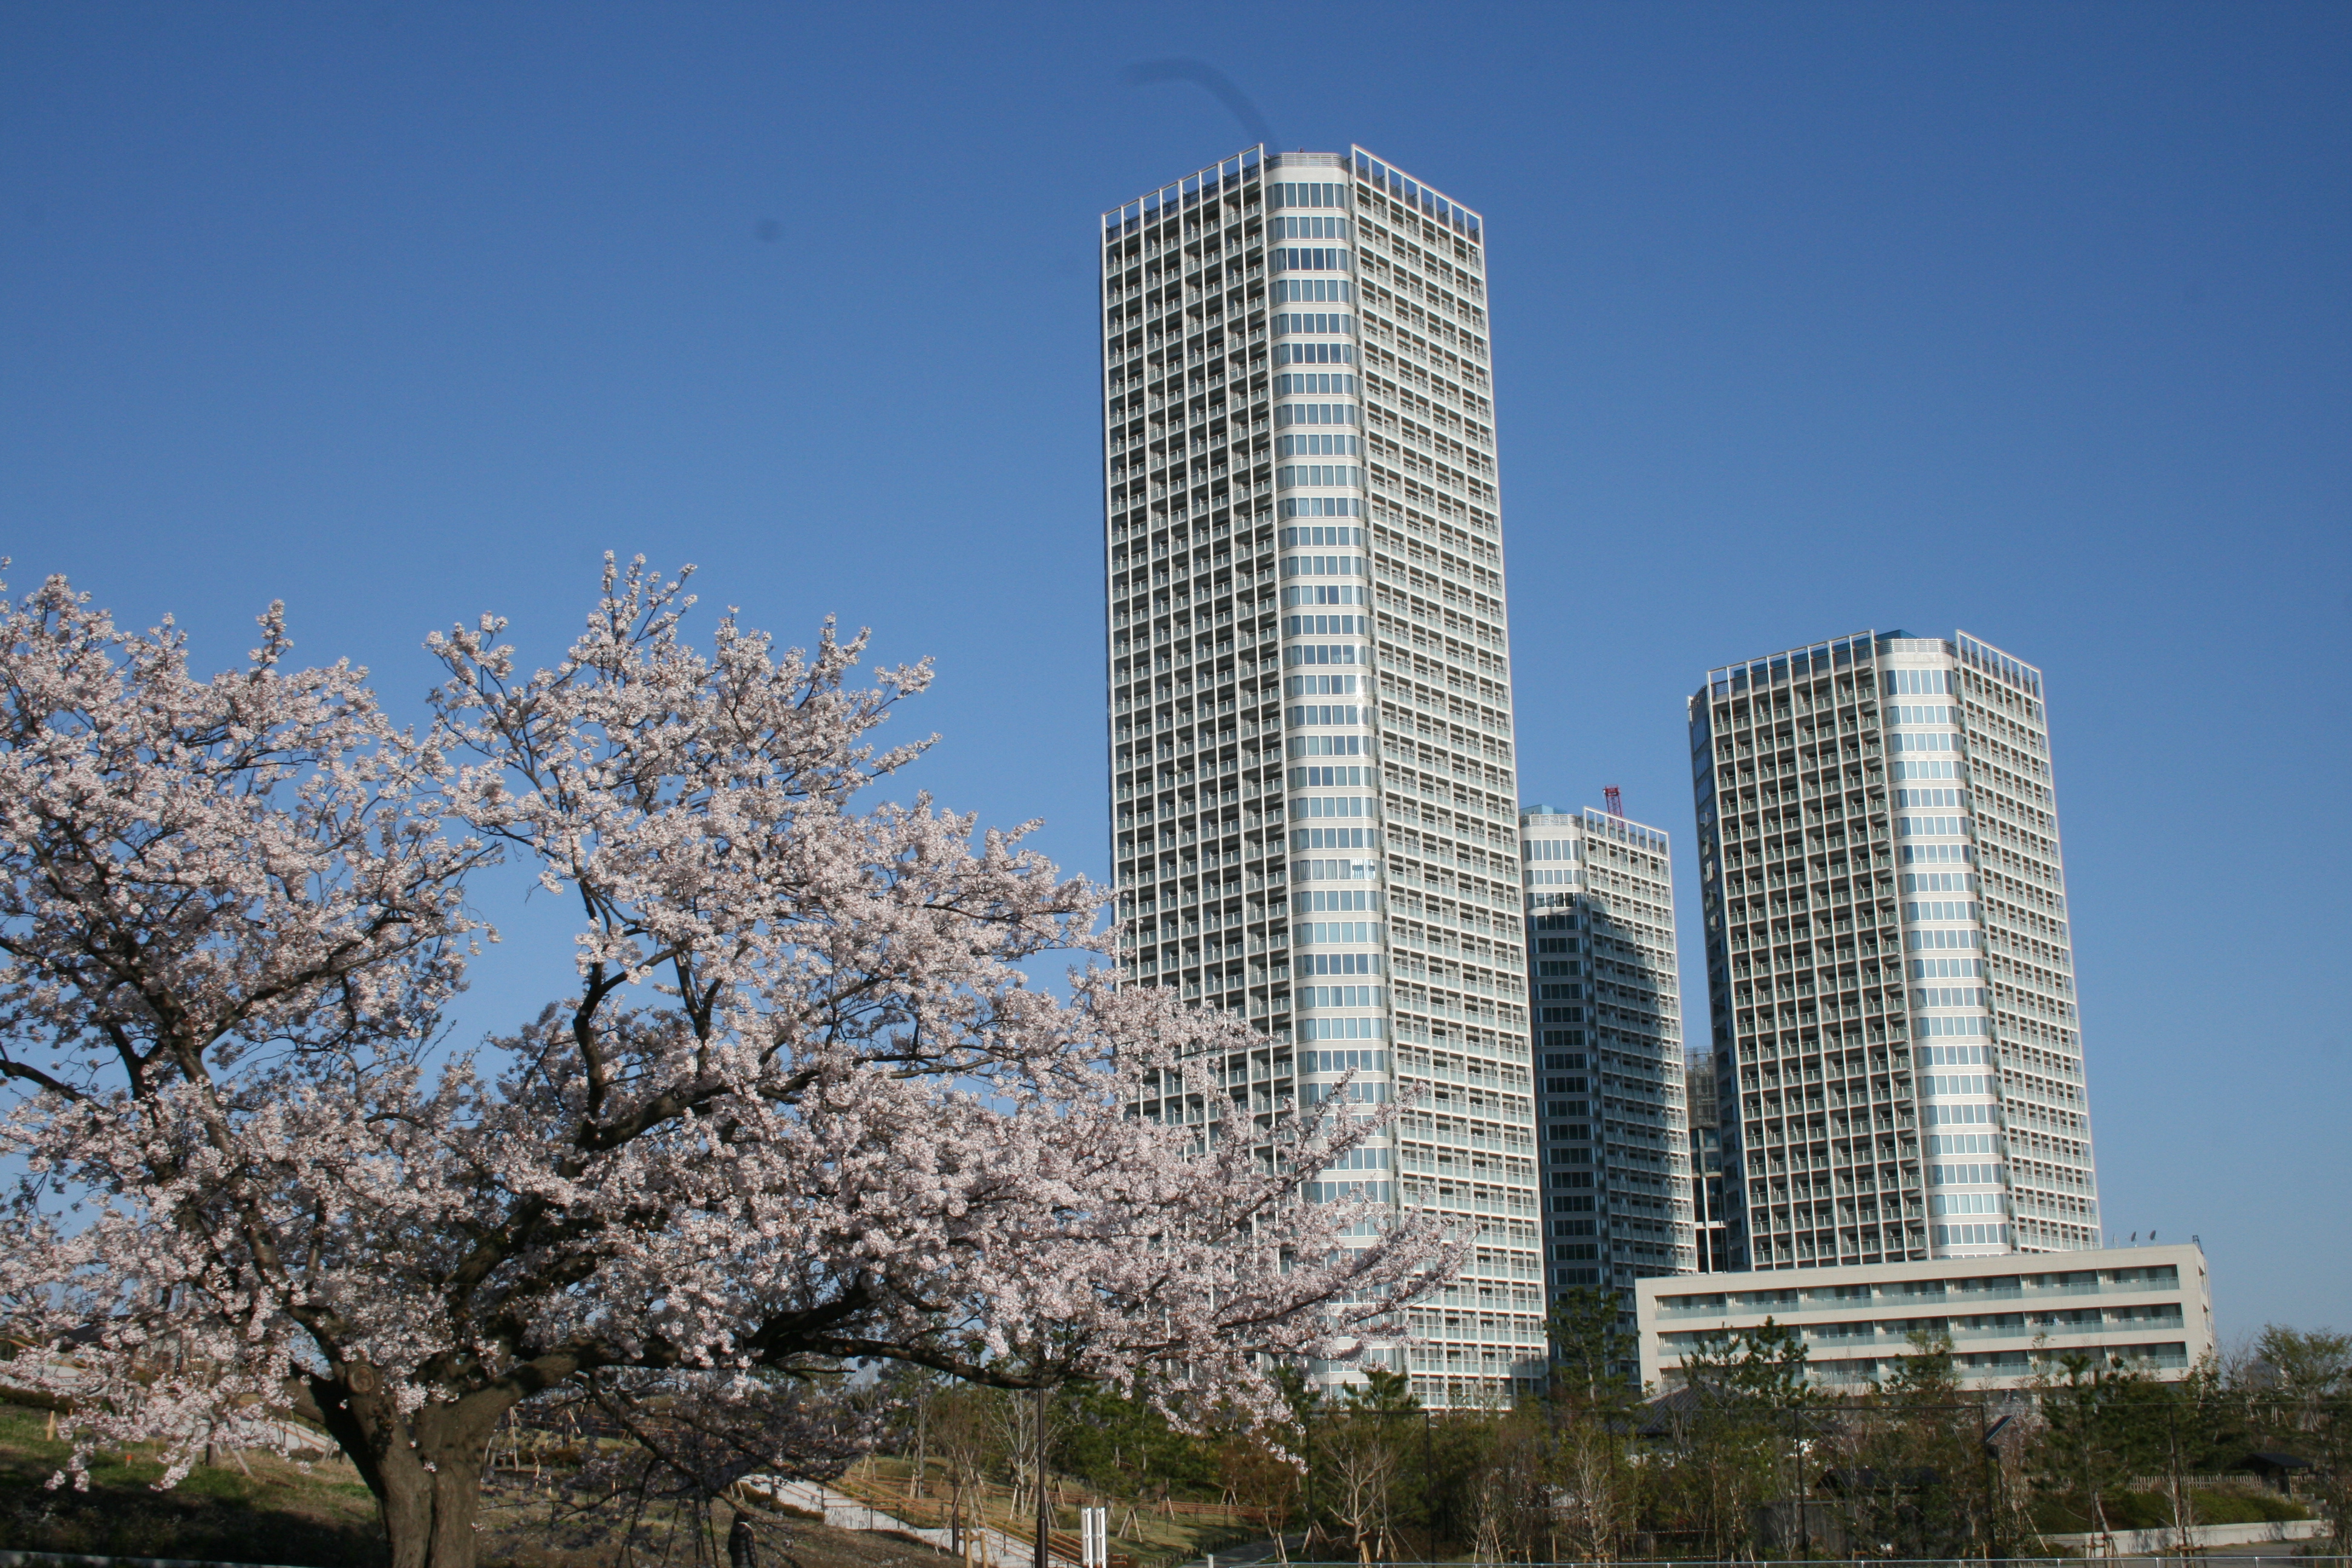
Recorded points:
(425,1468)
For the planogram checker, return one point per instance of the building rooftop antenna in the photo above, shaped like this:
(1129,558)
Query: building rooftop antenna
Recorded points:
(1616,803)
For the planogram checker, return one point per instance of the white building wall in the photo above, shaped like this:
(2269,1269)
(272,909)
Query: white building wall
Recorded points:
(2008,1318)
(1312,779)
(1890,967)
(2053,1183)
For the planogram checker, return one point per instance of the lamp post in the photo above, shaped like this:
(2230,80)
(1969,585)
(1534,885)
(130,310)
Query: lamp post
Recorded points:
(1985,1433)
(1045,1514)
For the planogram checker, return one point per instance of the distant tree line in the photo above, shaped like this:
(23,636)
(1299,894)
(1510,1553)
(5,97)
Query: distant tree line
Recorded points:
(1751,1456)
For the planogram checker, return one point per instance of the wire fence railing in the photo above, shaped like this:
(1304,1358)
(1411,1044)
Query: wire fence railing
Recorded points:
(2234,1559)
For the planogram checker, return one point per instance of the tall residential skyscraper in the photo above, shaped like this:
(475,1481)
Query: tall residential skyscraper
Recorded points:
(1889,955)
(1611,1099)
(1313,799)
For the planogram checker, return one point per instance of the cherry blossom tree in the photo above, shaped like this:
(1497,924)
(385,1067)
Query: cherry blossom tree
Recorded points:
(802,1101)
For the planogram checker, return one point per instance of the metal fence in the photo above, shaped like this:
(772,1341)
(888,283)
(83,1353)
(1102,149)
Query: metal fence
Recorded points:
(2236,1560)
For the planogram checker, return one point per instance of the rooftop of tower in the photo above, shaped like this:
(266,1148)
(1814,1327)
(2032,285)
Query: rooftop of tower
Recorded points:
(1837,653)
(1231,174)
(1596,820)
(1815,657)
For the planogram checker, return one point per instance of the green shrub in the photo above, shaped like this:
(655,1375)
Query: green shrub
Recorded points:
(2153,1510)
(2229,1505)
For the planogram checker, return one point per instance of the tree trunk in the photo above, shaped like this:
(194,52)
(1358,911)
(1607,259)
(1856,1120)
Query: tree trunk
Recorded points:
(425,1470)
(922,1432)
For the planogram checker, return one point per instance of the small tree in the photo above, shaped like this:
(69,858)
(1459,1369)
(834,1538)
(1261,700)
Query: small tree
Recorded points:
(1592,1406)
(690,1440)
(964,1427)
(1361,1451)
(1914,1474)
(1117,1439)
(800,1102)
(913,1391)
(1742,1429)
(2300,1392)
(1509,1495)
(1258,1478)
(2097,1431)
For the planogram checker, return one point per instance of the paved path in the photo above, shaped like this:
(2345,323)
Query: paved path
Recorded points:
(991,1547)
(1246,1555)
(2236,1540)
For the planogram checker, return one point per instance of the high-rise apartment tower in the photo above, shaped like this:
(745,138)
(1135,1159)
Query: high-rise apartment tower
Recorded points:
(1610,1102)
(1898,1049)
(1313,797)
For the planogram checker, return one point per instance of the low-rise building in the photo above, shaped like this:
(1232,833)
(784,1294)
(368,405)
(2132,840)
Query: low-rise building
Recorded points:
(2007,1317)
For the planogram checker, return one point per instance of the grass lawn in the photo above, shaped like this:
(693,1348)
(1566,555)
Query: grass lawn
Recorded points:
(2250,1504)
(278,1513)
(323,1517)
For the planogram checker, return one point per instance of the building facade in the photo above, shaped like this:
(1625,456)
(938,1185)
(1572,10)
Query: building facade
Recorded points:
(1611,1099)
(1710,1214)
(1890,968)
(1314,799)
(2009,1318)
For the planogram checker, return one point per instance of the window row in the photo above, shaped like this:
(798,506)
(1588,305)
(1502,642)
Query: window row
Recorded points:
(1323,594)
(1293,194)
(1315,354)
(1312,292)
(1332,806)
(1336,964)
(1315,932)
(1339,997)
(1318,446)
(1319,474)
(1289,414)
(1283,325)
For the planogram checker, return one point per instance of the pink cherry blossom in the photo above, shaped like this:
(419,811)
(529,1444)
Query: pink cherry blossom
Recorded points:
(802,1100)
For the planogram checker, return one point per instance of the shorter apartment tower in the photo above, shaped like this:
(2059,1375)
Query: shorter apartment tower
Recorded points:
(1898,1056)
(2008,1318)
(1606,989)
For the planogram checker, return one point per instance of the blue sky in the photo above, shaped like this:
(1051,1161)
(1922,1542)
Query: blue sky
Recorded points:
(2029,321)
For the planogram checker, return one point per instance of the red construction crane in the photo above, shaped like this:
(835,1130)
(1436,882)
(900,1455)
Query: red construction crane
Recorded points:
(1616,803)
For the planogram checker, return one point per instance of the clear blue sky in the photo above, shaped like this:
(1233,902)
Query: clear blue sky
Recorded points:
(2029,319)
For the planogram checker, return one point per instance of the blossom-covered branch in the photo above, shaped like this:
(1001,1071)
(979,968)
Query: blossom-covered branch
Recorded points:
(801,1101)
